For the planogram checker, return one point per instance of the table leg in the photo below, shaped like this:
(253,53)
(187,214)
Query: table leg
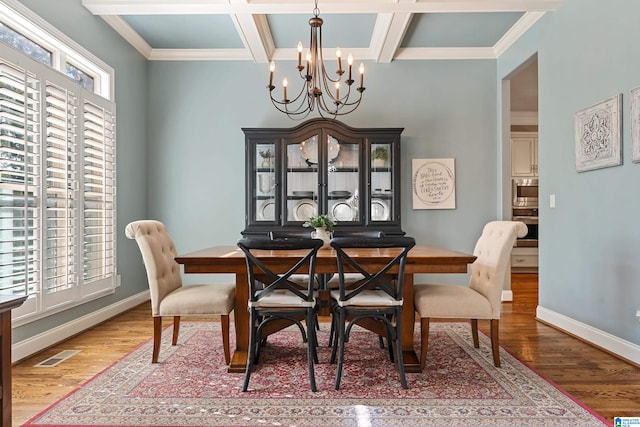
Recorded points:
(411,359)
(241,319)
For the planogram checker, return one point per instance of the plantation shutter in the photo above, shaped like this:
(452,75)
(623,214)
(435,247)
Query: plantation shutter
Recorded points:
(99,194)
(60,217)
(19,181)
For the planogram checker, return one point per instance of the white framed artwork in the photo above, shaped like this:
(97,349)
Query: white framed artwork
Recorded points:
(433,183)
(598,134)
(635,124)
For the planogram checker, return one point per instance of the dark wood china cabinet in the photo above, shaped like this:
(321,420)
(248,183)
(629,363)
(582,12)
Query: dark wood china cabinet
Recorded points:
(322,167)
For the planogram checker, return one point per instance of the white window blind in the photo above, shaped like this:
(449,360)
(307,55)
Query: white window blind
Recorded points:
(57,189)
(99,193)
(60,224)
(19,181)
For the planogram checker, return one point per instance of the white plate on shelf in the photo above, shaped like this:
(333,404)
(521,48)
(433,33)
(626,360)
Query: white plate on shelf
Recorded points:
(267,210)
(309,149)
(333,148)
(305,209)
(379,210)
(342,211)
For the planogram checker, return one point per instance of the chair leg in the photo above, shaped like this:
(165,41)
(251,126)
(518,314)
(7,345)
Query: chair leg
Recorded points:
(224,323)
(176,330)
(399,356)
(252,349)
(340,346)
(424,341)
(474,332)
(312,341)
(157,335)
(389,342)
(495,341)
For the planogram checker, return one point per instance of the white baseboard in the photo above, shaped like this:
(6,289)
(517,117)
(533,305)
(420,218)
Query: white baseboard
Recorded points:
(36,343)
(507,295)
(622,348)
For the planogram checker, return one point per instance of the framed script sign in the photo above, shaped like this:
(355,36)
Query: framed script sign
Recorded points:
(434,184)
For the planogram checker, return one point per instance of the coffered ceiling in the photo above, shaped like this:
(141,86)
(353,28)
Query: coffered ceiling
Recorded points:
(375,30)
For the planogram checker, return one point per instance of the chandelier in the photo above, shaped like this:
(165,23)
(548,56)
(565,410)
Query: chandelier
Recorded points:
(330,96)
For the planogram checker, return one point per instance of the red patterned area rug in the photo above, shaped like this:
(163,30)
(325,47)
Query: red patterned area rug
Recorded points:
(191,387)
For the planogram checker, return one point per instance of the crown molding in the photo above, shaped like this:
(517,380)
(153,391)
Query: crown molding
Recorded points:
(200,55)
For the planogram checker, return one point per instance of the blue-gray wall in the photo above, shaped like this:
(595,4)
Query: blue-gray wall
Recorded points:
(130,67)
(590,243)
(196,146)
(181,150)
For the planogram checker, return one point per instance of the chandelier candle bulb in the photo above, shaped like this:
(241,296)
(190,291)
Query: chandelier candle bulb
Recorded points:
(300,56)
(350,62)
(337,91)
(285,83)
(308,63)
(339,55)
(272,68)
(361,74)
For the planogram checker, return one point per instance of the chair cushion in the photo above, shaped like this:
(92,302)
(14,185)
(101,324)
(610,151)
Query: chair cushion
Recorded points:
(451,301)
(349,279)
(199,299)
(281,298)
(367,299)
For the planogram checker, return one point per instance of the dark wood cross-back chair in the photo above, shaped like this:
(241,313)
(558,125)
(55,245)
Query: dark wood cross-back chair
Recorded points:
(274,296)
(377,296)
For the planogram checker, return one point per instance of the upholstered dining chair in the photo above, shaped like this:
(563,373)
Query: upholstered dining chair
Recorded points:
(482,298)
(168,296)
(377,296)
(273,296)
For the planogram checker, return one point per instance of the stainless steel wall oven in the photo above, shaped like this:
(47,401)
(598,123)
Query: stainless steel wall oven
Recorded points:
(525,209)
(530,217)
(525,193)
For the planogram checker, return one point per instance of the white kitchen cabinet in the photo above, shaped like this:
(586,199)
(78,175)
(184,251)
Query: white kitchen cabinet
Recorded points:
(524,259)
(524,154)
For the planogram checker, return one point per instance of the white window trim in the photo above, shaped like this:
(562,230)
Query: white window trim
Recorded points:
(64,49)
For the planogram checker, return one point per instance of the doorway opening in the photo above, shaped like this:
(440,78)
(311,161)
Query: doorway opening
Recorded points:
(520,103)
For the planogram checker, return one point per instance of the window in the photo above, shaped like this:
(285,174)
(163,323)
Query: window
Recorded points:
(57,170)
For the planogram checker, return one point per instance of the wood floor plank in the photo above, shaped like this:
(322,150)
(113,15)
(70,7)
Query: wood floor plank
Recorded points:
(606,384)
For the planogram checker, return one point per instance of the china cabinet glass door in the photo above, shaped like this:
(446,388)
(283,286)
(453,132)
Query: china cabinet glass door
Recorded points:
(381,182)
(343,180)
(301,180)
(265,182)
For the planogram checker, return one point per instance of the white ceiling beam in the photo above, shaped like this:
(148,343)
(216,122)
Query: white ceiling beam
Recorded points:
(254,32)
(388,33)
(129,34)
(255,35)
(188,7)
(517,30)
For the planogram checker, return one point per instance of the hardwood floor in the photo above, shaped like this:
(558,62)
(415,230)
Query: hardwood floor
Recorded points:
(601,381)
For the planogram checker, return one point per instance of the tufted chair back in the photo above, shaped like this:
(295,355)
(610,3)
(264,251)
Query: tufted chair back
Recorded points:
(158,253)
(493,251)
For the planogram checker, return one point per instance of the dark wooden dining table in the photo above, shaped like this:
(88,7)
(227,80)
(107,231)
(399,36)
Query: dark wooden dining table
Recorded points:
(231,260)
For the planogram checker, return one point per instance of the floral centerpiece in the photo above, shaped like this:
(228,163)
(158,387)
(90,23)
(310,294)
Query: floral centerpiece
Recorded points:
(323,227)
(319,221)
